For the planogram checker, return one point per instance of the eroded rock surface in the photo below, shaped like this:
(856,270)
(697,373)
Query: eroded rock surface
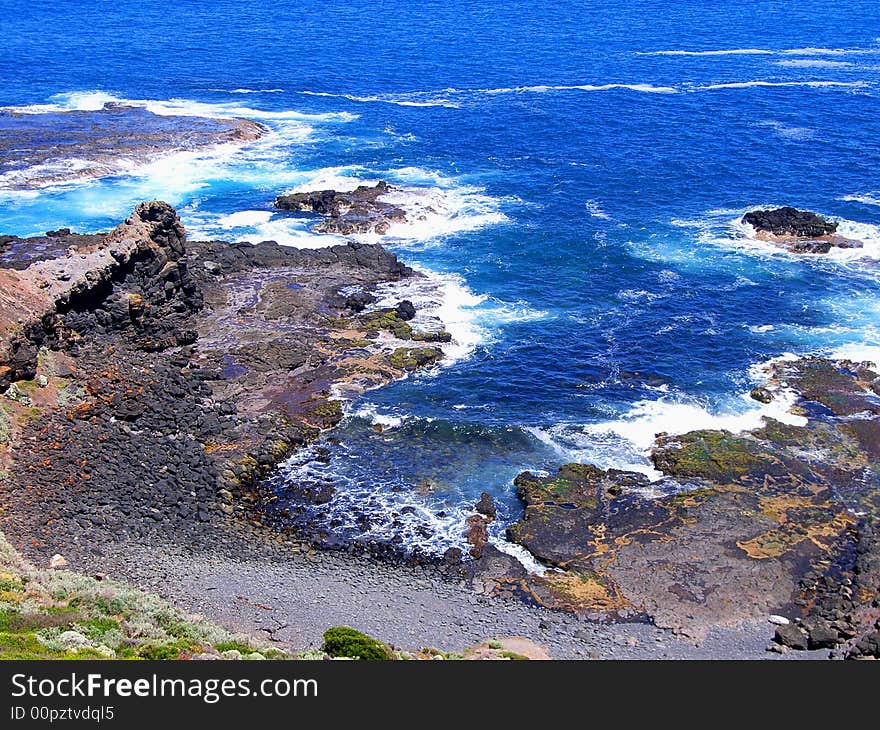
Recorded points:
(148,384)
(358,211)
(777,520)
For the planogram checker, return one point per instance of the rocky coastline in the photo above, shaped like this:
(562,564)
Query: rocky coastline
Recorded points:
(150,385)
(102,142)
(779,521)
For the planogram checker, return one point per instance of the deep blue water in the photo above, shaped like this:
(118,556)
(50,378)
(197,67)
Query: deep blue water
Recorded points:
(587,167)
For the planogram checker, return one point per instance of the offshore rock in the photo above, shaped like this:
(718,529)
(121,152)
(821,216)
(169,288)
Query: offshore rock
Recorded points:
(358,211)
(788,221)
(799,231)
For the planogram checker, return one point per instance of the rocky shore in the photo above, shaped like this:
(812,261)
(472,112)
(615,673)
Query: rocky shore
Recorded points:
(779,521)
(103,142)
(150,384)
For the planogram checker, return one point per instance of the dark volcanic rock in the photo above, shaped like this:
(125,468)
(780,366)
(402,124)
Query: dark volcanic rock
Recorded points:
(791,636)
(788,221)
(798,231)
(486,505)
(136,433)
(358,211)
(405,310)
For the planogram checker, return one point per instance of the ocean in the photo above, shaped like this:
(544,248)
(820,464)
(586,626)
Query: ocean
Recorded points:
(575,178)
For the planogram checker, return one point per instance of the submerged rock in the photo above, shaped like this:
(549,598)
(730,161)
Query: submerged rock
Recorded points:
(102,142)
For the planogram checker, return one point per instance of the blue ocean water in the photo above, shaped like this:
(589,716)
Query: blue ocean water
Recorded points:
(579,171)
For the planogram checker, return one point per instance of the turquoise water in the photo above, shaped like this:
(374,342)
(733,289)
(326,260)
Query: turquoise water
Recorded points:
(581,173)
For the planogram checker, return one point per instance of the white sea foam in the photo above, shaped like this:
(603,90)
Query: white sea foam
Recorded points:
(96,100)
(867,198)
(51,173)
(781,84)
(498,539)
(722,52)
(574,443)
(442,301)
(415,99)
(377,417)
(257,91)
(788,132)
(432,213)
(245,218)
(595,210)
(168,174)
(809,51)
(812,63)
(543,88)
(625,442)
(857,352)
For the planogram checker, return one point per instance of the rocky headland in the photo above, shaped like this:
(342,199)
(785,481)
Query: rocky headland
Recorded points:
(798,231)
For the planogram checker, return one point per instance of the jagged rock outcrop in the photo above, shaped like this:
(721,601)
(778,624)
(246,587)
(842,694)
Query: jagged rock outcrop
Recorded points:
(135,279)
(800,231)
(150,384)
(358,211)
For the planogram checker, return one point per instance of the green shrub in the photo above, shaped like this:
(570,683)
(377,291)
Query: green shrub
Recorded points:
(343,641)
(164,652)
(233,645)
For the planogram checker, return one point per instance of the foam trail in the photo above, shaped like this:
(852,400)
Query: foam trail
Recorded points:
(867,199)
(809,51)
(96,100)
(723,52)
(416,99)
(812,63)
(781,84)
(543,89)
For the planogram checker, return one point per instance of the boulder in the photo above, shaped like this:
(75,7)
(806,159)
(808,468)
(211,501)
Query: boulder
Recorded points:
(477,534)
(486,506)
(405,310)
(791,636)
